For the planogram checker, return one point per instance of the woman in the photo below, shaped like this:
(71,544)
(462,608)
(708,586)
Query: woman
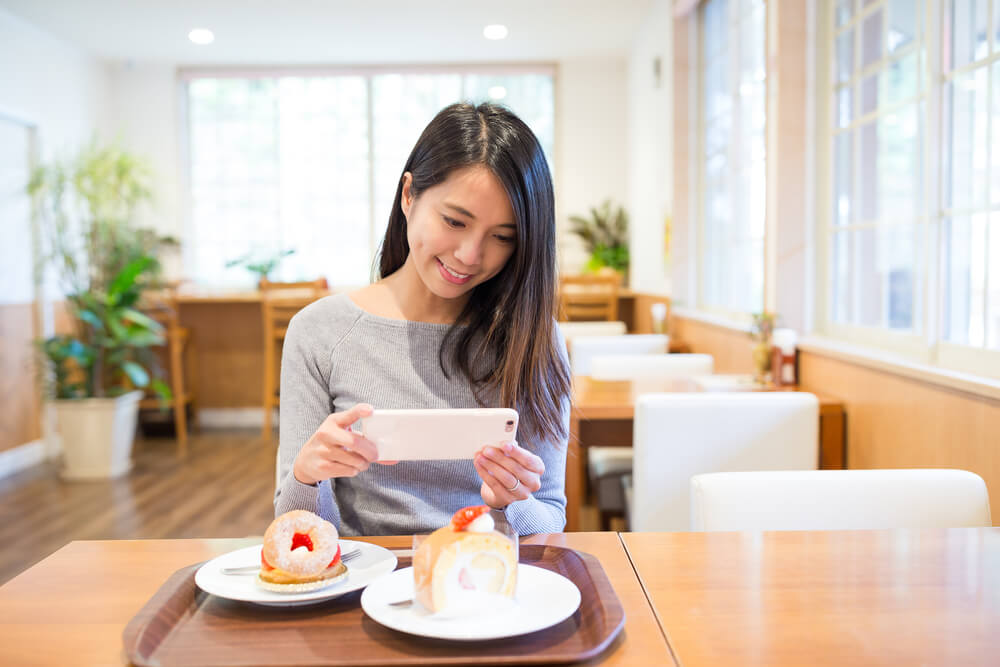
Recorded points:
(462,317)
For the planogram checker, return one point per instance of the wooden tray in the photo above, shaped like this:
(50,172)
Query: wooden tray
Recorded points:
(183,625)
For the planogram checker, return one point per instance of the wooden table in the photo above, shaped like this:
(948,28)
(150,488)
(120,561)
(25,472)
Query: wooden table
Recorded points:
(71,608)
(885,597)
(602,415)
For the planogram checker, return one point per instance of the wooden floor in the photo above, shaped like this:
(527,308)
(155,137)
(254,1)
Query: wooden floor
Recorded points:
(223,489)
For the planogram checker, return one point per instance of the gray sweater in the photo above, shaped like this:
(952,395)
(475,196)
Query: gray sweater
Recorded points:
(336,355)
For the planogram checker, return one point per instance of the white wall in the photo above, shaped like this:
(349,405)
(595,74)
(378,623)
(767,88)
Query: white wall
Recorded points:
(591,149)
(650,163)
(144,115)
(48,82)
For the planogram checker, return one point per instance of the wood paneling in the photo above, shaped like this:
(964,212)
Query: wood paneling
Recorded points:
(896,422)
(731,349)
(229,342)
(19,393)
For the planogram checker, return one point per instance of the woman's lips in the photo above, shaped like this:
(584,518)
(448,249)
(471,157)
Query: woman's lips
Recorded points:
(451,277)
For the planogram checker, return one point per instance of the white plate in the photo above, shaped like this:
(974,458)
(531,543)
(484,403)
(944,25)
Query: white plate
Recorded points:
(372,563)
(542,599)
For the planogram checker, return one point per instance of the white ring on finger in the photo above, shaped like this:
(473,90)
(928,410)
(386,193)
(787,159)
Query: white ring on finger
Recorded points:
(514,488)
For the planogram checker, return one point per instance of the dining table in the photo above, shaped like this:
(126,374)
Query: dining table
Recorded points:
(838,597)
(602,412)
(873,597)
(73,607)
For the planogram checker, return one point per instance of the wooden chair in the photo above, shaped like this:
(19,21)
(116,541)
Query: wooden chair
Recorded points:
(279,303)
(588,297)
(161,305)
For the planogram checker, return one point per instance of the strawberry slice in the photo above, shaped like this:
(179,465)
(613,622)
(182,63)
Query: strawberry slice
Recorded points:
(264,564)
(463,517)
(335,558)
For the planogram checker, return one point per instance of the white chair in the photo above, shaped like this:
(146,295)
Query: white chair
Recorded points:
(677,436)
(641,366)
(573,330)
(838,500)
(607,465)
(587,347)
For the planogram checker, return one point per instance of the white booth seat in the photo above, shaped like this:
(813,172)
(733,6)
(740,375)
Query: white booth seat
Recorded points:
(679,435)
(838,500)
(585,348)
(647,366)
(571,330)
(607,465)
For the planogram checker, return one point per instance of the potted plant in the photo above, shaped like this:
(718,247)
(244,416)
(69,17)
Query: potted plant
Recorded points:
(96,373)
(605,237)
(761,329)
(260,266)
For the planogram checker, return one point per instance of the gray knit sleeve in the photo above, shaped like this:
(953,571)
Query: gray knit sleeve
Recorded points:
(305,403)
(545,510)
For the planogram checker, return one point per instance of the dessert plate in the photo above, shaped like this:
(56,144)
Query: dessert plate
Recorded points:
(373,562)
(542,599)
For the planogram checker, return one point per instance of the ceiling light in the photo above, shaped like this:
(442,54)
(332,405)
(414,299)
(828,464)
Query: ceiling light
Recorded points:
(497,92)
(495,31)
(201,36)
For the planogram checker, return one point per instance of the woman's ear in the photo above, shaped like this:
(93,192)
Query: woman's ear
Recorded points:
(406,201)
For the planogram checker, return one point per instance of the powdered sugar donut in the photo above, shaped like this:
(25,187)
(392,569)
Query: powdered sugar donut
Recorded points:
(300,544)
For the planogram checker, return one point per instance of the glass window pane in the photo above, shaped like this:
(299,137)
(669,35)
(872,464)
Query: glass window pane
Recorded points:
(995,132)
(965,152)
(904,17)
(965,33)
(964,278)
(842,279)
(844,65)
(900,81)
(843,112)
(843,175)
(867,165)
(843,11)
(993,294)
(900,159)
(871,39)
(869,94)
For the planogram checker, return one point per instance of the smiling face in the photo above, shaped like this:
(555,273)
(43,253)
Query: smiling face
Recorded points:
(461,231)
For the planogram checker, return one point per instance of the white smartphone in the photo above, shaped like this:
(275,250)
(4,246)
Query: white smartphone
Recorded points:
(434,434)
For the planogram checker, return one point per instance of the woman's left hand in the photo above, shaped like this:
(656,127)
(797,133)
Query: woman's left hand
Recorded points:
(509,473)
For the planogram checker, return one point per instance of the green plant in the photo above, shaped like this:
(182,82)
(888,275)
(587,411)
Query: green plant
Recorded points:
(103,262)
(262,266)
(604,235)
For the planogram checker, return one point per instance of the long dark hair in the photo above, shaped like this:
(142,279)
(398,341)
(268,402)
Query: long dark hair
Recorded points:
(509,319)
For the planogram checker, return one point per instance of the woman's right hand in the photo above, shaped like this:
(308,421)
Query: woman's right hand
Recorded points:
(334,450)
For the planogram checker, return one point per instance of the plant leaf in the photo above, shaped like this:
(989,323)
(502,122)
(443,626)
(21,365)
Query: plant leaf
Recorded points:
(136,373)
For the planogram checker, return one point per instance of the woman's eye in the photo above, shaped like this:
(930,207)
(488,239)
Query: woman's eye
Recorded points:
(453,223)
(505,239)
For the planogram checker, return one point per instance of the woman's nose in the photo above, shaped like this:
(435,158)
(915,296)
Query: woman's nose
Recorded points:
(470,252)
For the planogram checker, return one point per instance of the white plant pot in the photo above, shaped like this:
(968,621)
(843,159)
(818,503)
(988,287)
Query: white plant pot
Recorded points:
(97,435)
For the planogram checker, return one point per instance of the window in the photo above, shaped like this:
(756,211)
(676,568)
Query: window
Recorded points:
(878,215)
(912,223)
(732,101)
(311,163)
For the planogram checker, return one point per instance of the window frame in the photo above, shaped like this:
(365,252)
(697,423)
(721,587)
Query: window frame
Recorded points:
(187,74)
(733,53)
(925,346)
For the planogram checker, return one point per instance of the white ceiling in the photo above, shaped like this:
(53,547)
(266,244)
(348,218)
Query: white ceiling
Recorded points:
(338,31)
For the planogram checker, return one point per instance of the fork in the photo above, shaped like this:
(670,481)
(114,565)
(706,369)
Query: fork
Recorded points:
(253,569)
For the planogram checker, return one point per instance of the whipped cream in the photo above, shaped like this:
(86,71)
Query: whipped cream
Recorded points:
(481,524)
